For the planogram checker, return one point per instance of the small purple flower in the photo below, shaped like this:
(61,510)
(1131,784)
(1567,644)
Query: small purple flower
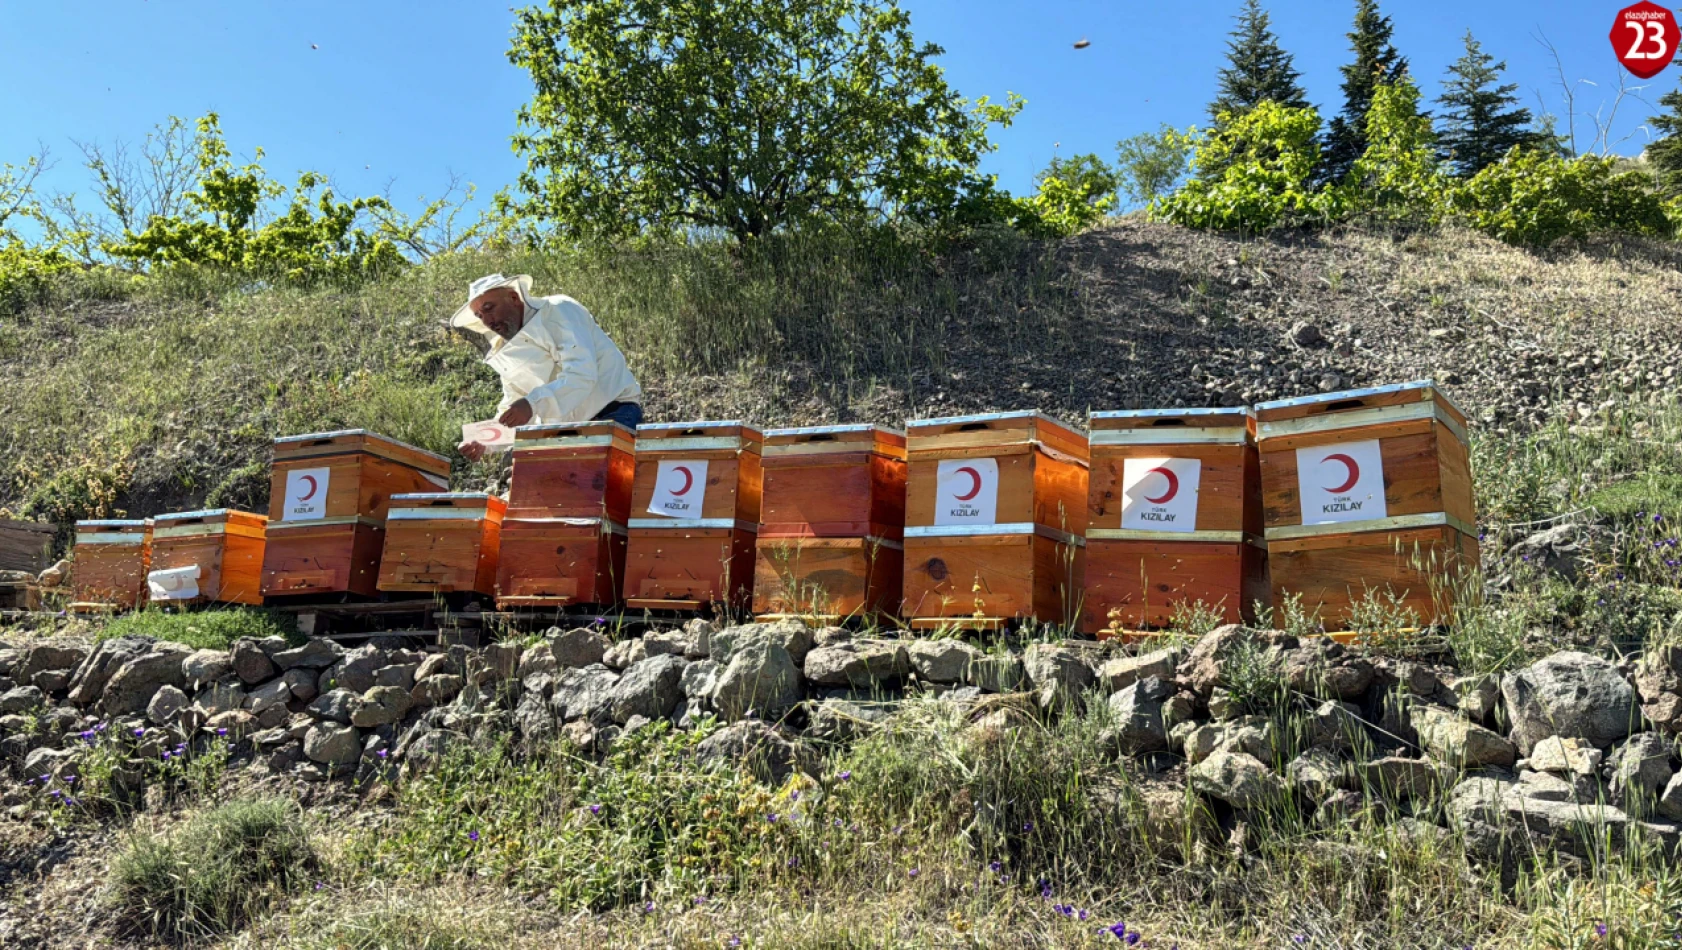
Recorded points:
(1082,915)
(845,776)
(222,730)
(140,730)
(700,899)
(1299,938)
(794,796)
(915,872)
(71,802)
(794,862)
(1118,929)
(734,941)
(995,866)
(772,818)
(1027,827)
(595,809)
(1045,889)
(69,779)
(383,753)
(320,884)
(648,908)
(473,836)
(1600,929)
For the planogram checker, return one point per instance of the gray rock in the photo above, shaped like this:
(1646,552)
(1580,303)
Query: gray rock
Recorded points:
(1569,694)
(535,719)
(665,643)
(268,696)
(837,720)
(699,679)
(335,705)
(47,762)
(538,658)
(1317,773)
(250,663)
(1124,671)
(625,654)
(166,705)
(941,661)
(690,712)
(1198,742)
(355,670)
(235,722)
(1459,742)
(1479,803)
(585,694)
(1204,666)
(699,638)
(576,649)
(400,675)
(1640,770)
(1059,674)
(95,673)
(1565,756)
(1325,669)
(502,659)
(314,655)
(1239,780)
(435,690)
(301,682)
(1137,714)
(861,664)
(650,688)
(51,681)
(582,735)
(1478,697)
(1400,779)
(437,664)
(761,747)
(760,676)
(1546,786)
(792,636)
(997,673)
(380,706)
(132,685)
(333,746)
(1670,800)
(1334,725)
(21,699)
(49,656)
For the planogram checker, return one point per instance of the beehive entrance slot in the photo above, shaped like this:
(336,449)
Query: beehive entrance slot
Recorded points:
(1169,422)
(1343,404)
(974,427)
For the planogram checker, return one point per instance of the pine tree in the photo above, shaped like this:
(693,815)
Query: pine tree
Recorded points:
(1482,121)
(1666,153)
(1376,62)
(1258,69)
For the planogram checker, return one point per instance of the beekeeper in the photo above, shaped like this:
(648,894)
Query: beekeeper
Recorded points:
(556,364)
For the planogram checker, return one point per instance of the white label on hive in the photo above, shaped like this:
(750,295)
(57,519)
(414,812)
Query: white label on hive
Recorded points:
(1160,494)
(679,489)
(1341,482)
(306,494)
(967,492)
(174,583)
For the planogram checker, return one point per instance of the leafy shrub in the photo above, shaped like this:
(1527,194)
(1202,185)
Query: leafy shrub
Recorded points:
(203,630)
(1073,194)
(1256,173)
(224,867)
(1530,198)
(26,273)
(1399,175)
(1150,164)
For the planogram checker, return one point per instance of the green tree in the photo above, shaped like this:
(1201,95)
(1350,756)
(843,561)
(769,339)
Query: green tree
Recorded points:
(1150,164)
(1258,70)
(1481,120)
(1254,172)
(1666,152)
(1072,195)
(740,115)
(1399,175)
(1376,64)
(1536,198)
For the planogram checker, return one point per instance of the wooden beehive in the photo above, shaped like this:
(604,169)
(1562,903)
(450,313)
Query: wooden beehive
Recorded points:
(694,514)
(563,538)
(995,520)
(1367,491)
(26,545)
(442,543)
(328,495)
(1173,518)
(213,555)
(831,538)
(111,561)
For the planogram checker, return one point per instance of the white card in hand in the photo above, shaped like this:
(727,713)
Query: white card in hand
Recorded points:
(490,433)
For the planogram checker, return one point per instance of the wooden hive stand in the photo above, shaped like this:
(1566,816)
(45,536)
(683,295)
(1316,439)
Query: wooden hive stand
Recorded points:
(995,520)
(1174,517)
(563,538)
(695,511)
(111,562)
(328,496)
(831,544)
(1367,491)
(442,543)
(212,555)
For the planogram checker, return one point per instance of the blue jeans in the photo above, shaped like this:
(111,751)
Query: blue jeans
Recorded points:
(627,414)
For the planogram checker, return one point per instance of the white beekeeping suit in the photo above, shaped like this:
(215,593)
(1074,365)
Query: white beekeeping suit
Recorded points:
(560,362)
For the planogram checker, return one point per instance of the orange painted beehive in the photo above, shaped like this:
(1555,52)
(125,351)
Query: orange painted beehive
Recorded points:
(563,537)
(995,520)
(214,555)
(112,558)
(1367,494)
(833,522)
(328,495)
(1173,518)
(694,514)
(442,543)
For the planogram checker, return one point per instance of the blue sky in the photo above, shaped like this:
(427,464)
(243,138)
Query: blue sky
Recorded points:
(406,92)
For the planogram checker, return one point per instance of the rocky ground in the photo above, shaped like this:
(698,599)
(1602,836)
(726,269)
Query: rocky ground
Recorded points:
(1562,757)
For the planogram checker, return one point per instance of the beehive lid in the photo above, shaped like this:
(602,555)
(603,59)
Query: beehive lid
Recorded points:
(1172,426)
(576,435)
(815,440)
(349,441)
(732,435)
(996,428)
(424,505)
(207,521)
(1377,405)
(113,524)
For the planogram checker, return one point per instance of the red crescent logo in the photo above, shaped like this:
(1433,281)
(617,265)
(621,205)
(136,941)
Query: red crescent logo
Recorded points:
(489,433)
(975,489)
(306,496)
(1173,486)
(1354,472)
(171,582)
(688,480)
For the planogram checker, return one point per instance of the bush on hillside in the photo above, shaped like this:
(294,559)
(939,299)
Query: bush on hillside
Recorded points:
(225,867)
(27,274)
(1073,195)
(1256,171)
(1399,176)
(1535,199)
